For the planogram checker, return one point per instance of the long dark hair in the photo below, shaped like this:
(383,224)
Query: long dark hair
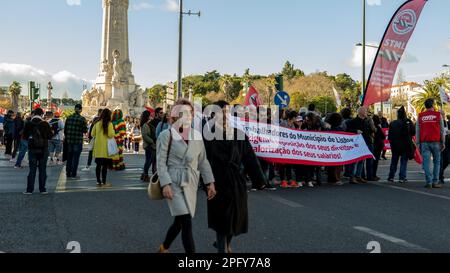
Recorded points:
(105,117)
(145,117)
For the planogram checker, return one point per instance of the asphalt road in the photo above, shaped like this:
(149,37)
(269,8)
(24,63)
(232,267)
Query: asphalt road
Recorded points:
(397,218)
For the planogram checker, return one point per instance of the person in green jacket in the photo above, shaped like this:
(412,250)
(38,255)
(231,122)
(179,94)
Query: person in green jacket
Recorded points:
(149,136)
(102,131)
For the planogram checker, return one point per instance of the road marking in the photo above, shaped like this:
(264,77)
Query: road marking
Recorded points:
(414,191)
(79,190)
(391,239)
(284,201)
(62,180)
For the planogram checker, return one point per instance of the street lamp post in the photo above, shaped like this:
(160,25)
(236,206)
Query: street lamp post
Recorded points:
(180,47)
(364,49)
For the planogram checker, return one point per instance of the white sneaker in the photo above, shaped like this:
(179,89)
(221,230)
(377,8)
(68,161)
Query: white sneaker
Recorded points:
(310,184)
(86,169)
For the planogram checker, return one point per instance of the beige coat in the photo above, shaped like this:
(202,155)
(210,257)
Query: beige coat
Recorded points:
(186,163)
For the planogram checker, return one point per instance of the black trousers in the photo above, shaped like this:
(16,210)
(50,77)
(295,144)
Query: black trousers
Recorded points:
(181,224)
(15,150)
(38,161)
(223,242)
(9,144)
(101,171)
(377,152)
(90,157)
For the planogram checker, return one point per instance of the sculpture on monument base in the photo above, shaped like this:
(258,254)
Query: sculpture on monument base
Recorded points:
(138,98)
(94,98)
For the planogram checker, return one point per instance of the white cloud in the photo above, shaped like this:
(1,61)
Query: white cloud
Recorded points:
(172,5)
(142,6)
(374,2)
(371,52)
(23,73)
(73,2)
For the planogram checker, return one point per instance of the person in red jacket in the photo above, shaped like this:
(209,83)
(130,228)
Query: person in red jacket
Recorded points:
(431,141)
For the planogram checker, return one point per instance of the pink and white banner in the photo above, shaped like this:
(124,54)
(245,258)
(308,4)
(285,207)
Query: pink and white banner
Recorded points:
(282,145)
(393,45)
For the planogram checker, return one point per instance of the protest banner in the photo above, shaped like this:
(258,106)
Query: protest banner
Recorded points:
(288,146)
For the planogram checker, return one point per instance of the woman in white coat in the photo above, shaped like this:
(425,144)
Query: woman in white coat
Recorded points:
(181,158)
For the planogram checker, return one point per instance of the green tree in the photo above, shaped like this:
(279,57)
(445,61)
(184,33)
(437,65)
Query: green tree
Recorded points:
(430,91)
(157,94)
(298,100)
(67,113)
(289,71)
(14,90)
(325,104)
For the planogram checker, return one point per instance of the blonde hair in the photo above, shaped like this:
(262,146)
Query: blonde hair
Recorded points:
(176,108)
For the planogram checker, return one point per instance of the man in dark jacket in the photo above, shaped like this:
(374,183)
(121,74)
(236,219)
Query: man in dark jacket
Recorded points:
(400,136)
(159,115)
(364,126)
(9,131)
(38,132)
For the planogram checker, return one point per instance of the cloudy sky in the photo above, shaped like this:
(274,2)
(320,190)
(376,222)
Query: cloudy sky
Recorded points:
(59,40)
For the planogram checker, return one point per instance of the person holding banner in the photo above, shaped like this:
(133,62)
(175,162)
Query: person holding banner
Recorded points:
(335,173)
(378,145)
(362,125)
(430,137)
(227,152)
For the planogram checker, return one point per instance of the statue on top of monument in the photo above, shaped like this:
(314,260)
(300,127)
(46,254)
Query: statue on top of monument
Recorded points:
(117,66)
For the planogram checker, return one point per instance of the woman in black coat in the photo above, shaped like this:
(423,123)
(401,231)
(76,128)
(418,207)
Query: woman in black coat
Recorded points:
(401,132)
(228,211)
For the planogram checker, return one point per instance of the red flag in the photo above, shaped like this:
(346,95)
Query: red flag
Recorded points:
(36,105)
(391,50)
(252,98)
(151,110)
(58,112)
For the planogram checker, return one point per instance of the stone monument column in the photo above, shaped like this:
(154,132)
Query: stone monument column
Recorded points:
(115,78)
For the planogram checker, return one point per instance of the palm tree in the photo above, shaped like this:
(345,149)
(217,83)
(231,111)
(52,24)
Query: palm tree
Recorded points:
(430,91)
(270,82)
(15,89)
(226,85)
(443,81)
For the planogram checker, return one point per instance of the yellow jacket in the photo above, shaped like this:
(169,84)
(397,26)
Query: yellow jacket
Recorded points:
(101,140)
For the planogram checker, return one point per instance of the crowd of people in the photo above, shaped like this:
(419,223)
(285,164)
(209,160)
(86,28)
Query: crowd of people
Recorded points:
(185,161)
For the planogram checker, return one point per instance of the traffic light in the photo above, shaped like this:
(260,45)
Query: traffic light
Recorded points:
(34,91)
(279,82)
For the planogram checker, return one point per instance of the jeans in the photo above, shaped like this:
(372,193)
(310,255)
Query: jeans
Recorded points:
(429,149)
(356,169)
(403,165)
(37,161)
(150,155)
(73,159)
(22,151)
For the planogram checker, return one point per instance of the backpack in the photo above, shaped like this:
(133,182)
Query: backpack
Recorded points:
(36,142)
(54,124)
